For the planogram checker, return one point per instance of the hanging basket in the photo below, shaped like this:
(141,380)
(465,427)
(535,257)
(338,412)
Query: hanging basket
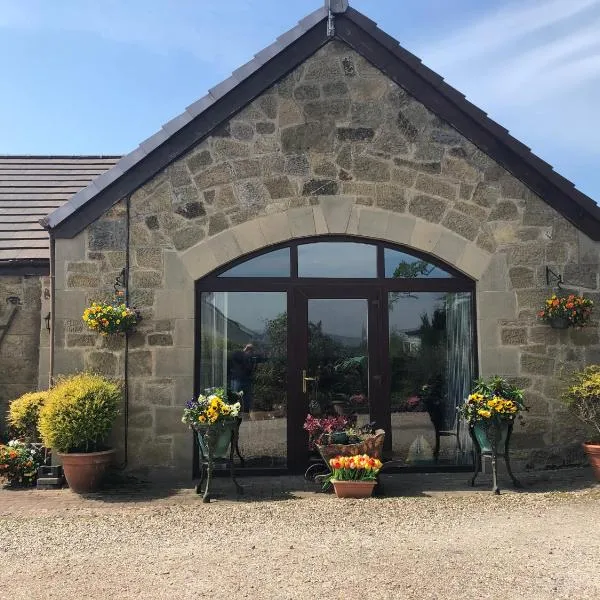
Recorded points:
(559,323)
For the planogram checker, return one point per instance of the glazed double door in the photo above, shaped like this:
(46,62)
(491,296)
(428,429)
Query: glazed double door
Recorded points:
(399,359)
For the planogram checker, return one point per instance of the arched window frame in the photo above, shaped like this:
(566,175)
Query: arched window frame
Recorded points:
(457,282)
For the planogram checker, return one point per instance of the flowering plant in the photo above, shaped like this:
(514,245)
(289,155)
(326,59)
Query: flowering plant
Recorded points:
(211,408)
(575,309)
(493,399)
(320,429)
(19,462)
(353,468)
(110,318)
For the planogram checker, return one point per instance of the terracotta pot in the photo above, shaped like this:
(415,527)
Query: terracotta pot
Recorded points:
(593,452)
(353,489)
(84,472)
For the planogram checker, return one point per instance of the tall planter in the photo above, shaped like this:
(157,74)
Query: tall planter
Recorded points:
(593,453)
(84,472)
(488,431)
(217,438)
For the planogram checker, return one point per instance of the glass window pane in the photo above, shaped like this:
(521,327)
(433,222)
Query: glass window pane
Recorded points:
(338,363)
(401,265)
(431,368)
(272,264)
(243,347)
(337,259)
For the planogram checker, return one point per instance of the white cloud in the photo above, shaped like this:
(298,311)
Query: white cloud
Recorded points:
(500,28)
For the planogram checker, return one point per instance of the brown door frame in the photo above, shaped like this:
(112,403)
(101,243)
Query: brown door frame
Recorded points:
(374,289)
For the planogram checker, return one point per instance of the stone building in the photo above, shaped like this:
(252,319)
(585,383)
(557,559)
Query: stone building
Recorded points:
(347,227)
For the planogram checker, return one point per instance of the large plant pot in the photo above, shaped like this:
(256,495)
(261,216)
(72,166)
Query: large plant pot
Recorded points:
(217,437)
(593,453)
(84,472)
(483,431)
(353,489)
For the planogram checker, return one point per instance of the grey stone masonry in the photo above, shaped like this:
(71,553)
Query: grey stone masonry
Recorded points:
(19,338)
(335,147)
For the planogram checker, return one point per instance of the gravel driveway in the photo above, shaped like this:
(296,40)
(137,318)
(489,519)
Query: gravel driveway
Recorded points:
(448,545)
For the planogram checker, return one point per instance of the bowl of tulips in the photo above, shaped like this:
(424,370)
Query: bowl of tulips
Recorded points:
(353,476)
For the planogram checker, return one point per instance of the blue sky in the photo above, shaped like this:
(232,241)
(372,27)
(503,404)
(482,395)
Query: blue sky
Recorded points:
(90,77)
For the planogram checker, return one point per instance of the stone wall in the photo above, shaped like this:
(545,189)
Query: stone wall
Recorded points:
(19,346)
(335,147)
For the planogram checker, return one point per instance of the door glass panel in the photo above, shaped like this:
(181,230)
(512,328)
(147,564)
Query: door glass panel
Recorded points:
(431,368)
(401,265)
(338,365)
(337,259)
(272,264)
(243,347)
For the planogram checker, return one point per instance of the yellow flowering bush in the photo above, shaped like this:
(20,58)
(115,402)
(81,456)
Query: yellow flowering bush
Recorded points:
(24,412)
(214,407)
(110,318)
(79,413)
(493,399)
(582,397)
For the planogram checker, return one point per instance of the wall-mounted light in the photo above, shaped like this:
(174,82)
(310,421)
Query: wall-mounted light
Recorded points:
(47,320)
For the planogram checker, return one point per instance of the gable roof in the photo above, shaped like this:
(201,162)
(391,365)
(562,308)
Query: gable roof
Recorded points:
(30,188)
(273,63)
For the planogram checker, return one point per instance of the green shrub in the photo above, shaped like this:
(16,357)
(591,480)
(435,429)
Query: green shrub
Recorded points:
(79,413)
(582,396)
(24,413)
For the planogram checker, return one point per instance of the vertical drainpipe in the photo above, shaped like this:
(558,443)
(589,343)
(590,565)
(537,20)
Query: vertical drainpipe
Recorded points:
(52,306)
(126,356)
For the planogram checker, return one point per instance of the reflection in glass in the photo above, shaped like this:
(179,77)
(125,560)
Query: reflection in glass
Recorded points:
(337,259)
(272,264)
(338,357)
(399,265)
(431,368)
(243,347)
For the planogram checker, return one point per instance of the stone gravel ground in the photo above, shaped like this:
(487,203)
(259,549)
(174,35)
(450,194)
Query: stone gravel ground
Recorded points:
(436,540)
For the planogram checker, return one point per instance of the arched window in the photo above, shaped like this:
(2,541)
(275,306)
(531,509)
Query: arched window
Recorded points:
(338,324)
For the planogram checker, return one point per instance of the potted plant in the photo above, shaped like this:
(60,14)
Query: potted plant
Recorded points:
(490,409)
(566,311)
(75,421)
(19,462)
(583,398)
(328,430)
(353,476)
(110,318)
(213,415)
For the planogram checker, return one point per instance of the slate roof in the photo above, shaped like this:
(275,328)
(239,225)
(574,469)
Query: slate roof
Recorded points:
(30,188)
(274,62)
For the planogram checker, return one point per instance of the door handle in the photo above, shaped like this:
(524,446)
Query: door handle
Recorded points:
(305,379)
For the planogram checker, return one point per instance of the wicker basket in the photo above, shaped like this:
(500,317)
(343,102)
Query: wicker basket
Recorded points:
(373,446)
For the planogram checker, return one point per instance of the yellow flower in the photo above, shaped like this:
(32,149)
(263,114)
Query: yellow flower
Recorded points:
(486,414)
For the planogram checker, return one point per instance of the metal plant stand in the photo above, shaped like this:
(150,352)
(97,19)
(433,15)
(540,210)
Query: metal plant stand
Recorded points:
(208,440)
(495,430)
